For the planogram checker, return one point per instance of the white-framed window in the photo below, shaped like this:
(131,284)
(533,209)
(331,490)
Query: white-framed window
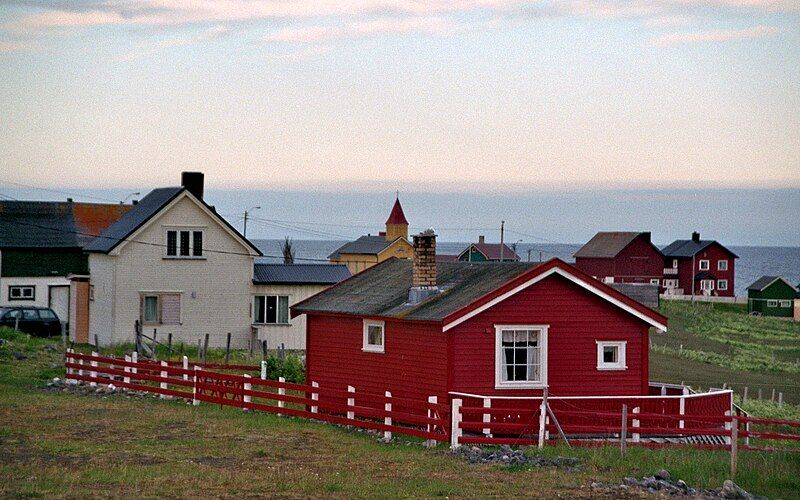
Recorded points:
(184,243)
(21,292)
(670,283)
(722,265)
(374,336)
(705,264)
(707,285)
(772,303)
(608,279)
(786,303)
(674,263)
(654,281)
(520,356)
(160,308)
(611,355)
(722,285)
(271,309)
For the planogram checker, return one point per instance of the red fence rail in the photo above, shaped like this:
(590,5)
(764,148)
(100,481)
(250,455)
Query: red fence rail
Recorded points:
(381,412)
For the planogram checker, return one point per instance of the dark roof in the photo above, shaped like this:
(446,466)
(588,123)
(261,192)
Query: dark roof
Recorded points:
(688,248)
(704,275)
(608,244)
(370,245)
(382,290)
(492,251)
(765,281)
(54,224)
(446,258)
(643,293)
(305,274)
(397,216)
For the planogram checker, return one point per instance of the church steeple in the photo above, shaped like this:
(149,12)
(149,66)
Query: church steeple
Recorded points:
(396,224)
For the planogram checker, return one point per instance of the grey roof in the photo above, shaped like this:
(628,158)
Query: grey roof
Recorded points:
(765,281)
(370,245)
(643,293)
(131,221)
(305,274)
(607,244)
(37,224)
(688,248)
(382,290)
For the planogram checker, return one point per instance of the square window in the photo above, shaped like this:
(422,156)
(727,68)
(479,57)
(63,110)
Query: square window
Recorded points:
(704,265)
(722,284)
(271,309)
(21,292)
(772,303)
(722,265)
(374,336)
(520,356)
(786,303)
(611,355)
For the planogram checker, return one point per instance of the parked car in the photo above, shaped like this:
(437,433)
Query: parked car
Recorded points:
(38,321)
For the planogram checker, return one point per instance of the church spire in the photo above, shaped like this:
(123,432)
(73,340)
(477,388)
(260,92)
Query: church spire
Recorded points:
(396,224)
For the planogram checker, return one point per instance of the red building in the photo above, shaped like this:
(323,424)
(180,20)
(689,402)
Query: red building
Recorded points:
(621,257)
(424,328)
(703,265)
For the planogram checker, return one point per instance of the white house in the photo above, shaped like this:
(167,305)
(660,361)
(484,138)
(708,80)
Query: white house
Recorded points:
(276,287)
(174,265)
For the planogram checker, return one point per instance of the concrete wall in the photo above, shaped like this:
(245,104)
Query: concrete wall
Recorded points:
(293,336)
(101,308)
(42,285)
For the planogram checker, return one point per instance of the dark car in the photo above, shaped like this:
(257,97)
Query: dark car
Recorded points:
(38,321)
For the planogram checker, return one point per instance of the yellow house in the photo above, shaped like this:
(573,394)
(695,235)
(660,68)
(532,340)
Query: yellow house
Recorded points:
(369,250)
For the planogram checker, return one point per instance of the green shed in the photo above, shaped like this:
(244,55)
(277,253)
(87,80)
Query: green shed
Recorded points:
(771,296)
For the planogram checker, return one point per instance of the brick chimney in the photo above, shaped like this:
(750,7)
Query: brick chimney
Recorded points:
(423,280)
(193,182)
(696,237)
(481,239)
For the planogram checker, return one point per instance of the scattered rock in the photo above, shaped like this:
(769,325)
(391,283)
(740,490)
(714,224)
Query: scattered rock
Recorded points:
(663,474)
(19,356)
(661,483)
(506,455)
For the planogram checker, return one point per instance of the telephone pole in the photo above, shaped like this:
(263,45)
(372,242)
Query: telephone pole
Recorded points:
(502,229)
(244,232)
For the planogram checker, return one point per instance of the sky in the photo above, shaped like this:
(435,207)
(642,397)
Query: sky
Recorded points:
(545,100)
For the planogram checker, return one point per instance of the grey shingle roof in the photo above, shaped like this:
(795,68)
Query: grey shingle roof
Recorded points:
(643,293)
(688,248)
(765,281)
(492,251)
(37,224)
(306,274)
(136,216)
(370,245)
(606,244)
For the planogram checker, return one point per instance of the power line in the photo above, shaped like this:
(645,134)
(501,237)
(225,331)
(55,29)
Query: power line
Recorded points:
(58,191)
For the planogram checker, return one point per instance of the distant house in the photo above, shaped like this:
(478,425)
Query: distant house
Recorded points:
(42,262)
(771,296)
(621,257)
(172,264)
(488,252)
(277,287)
(703,266)
(420,328)
(369,250)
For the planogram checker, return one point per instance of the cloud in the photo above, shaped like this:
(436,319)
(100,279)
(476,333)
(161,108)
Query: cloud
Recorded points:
(366,29)
(11,47)
(306,53)
(213,33)
(715,36)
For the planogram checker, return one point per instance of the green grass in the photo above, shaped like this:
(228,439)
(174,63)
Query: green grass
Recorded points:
(63,444)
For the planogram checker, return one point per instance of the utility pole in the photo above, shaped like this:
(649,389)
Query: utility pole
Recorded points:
(244,232)
(692,278)
(529,254)
(502,229)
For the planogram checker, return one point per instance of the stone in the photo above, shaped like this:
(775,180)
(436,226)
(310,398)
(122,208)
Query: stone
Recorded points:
(19,356)
(663,474)
(730,490)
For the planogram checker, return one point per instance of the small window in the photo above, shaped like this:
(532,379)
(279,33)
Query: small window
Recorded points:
(374,336)
(654,281)
(184,248)
(704,265)
(674,263)
(271,309)
(608,279)
(172,243)
(150,309)
(520,357)
(611,355)
(786,303)
(772,303)
(707,285)
(184,243)
(197,243)
(722,265)
(722,285)
(21,292)
(671,283)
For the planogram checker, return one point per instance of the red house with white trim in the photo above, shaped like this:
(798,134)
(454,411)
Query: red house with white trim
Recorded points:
(705,266)
(621,257)
(424,328)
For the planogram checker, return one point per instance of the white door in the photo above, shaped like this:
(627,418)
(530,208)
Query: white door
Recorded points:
(58,301)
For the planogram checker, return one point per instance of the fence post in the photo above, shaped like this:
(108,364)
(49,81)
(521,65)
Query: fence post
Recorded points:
(780,399)
(263,370)
(195,401)
(734,445)
(315,397)
(487,417)
(93,373)
(351,402)
(68,359)
(635,437)
(134,359)
(682,407)
(387,420)
(247,398)
(185,367)
(281,392)
(430,443)
(127,379)
(228,349)
(542,414)
(727,427)
(455,420)
(163,385)
(623,435)
(80,370)
(744,396)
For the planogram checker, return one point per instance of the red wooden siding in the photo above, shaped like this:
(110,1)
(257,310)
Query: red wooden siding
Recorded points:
(713,253)
(414,364)
(576,319)
(637,263)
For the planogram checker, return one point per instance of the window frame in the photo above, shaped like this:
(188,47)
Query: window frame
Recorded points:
(622,361)
(374,348)
(21,298)
(179,248)
(144,296)
(674,263)
(278,297)
(781,302)
(720,266)
(499,383)
(655,281)
(671,283)
(772,302)
(711,282)
(721,288)
(701,262)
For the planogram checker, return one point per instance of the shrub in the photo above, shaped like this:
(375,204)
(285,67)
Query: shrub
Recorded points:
(290,368)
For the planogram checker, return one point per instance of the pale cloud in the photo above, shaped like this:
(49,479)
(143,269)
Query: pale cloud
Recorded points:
(306,53)
(213,33)
(11,47)
(715,35)
(366,29)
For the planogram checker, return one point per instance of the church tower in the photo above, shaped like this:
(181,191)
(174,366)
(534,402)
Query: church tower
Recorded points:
(396,224)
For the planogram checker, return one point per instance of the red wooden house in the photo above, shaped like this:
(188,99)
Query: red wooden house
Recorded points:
(703,265)
(621,257)
(424,328)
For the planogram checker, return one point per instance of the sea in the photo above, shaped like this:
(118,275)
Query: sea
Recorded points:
(753,262)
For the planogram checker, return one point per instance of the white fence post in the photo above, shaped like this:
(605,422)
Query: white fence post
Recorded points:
(455,420)
(263,370)
(127,379)
(315,397)
(93,373)
(134,359)
(281,392)
(351,402)
(728,427)
(80,370)
(247,398)
(487,417)
(163,385)
(635,437)
(682,407)
(387,420)
(542,421)
(69,359)
(430,443)
(195,401)
(185,367)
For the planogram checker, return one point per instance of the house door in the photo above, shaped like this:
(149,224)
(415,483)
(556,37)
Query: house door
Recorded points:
(58,301)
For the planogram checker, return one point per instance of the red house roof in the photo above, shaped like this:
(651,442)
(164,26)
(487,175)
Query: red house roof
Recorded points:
(397,216)
(492,251)
(608,244)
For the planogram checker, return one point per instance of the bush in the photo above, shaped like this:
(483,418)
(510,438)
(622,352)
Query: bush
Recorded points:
(290,368)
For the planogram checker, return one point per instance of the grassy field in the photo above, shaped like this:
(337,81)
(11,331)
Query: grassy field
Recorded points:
(709,345)
(63,444)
